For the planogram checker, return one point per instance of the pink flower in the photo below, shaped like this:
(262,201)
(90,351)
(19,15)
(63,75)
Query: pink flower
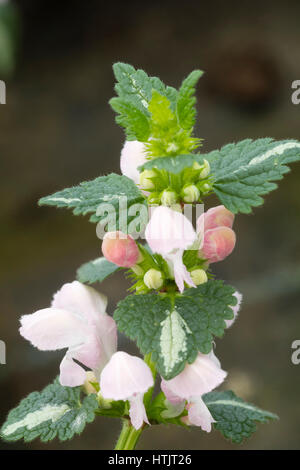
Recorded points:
(132,156)
(169,233)
(120,249)
(127,377)
(198,378)
(235,309)
(77,321)
(216,235)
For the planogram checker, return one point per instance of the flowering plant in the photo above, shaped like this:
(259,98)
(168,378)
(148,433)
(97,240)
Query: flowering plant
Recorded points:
(176,306)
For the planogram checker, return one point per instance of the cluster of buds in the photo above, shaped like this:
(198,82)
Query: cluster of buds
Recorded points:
(186,187)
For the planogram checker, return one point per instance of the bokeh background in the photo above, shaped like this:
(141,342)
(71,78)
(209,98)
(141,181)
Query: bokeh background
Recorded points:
(57,129)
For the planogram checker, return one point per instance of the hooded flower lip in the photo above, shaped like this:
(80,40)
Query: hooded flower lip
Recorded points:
(76,320)
(169,233)
(132,156)
(198,378)
(127,377)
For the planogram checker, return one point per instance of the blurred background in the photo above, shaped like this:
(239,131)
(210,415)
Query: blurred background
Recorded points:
(57,129)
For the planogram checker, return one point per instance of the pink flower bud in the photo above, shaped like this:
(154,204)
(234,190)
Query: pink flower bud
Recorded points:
(215,217)
(218,244)
(120,249)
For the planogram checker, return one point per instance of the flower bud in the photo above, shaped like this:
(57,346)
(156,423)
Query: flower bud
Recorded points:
(191,193)
(168,197)
(88,384)
(198,276)
(218,244)
(153,279)
(217,216)
(120,249)
(206,170)
(145,179)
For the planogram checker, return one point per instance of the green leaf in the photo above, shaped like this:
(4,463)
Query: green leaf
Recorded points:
(86,198)
(245,171)
(186,100)
(136,84)
(172,164)
(134,121)
(175,329)
(134,90)
(235,418)
(96,270)
(55,411)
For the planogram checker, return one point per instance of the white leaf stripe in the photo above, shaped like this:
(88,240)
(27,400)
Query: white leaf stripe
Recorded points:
(278,150)
(37,417)
(238,404)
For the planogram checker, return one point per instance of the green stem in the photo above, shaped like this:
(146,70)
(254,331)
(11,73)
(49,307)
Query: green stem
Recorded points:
(123,435)
(129,435)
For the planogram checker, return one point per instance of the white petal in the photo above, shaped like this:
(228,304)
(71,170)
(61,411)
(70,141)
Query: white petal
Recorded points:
(82,300)
(200,377)
(53,328)
(137,411)
(132,156)
(199,414)
(99,346)
(125,376)
(169,230)
(179,270)
(71,374)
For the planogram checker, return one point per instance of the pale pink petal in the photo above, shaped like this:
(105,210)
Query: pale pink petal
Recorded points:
(200,377)
(199,414)
(82,300)
(235,309)
(214,358)
(125,376)
(181,274)
(52,328)
(71,374)
(132,156)
(169,230)
(170,396)
(217,216)
(218,244)
(137,411)
(99,346)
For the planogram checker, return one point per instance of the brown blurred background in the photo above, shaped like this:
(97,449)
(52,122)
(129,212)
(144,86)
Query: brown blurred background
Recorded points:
(57,130)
